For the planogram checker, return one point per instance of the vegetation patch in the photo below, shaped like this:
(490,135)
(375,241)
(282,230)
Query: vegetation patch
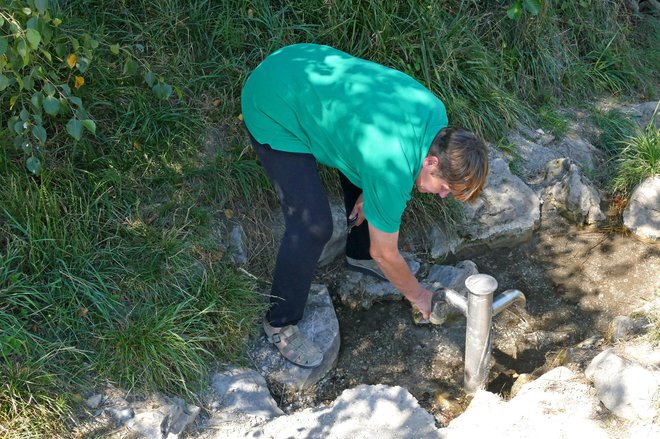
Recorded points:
(114,187)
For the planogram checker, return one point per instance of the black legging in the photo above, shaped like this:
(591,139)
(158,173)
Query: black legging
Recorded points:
(308,227)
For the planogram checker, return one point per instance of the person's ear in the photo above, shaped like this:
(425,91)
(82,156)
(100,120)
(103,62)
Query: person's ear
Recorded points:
(431,160)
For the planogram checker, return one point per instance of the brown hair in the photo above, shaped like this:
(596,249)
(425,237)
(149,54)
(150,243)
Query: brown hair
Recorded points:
(463,161)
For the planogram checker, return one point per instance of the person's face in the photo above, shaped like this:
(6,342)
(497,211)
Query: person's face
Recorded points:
(427,182)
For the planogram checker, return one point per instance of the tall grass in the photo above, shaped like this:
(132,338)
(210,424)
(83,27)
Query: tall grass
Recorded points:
(638,159)
(110,264)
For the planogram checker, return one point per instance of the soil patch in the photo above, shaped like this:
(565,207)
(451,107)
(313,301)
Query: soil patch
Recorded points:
(575,281)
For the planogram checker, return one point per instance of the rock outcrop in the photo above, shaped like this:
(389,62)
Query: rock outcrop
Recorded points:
(642,215)
(320,325)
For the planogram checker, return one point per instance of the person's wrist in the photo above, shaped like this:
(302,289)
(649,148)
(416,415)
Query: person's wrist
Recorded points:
(416,293)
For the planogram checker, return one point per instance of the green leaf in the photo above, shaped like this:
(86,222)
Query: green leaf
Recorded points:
(37,119)
(60,50)
(130,67)
(75,128)
(49,89)
(66,90)
(22,48)
(3,45)
(48,56)
(34,38)
(178,92)
(149,77)
(28,82)
(41,5)
(19,127)
(33,165)
(4,82)
(46,33)
(114,49)
(52,105)
(37,100)
(24,115)
(90,125)
(514,11)
(532,6)
(75,100)
(82,64)
(33,23)
(19,141)
(39,133)
(25,146)
(162,90)
(11,122)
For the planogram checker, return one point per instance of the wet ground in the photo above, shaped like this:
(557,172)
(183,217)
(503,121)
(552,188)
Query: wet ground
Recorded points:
(575,281)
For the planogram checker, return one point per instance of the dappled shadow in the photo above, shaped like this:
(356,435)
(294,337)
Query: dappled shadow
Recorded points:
(575,281)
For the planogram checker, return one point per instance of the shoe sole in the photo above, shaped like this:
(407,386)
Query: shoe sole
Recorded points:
(366,271)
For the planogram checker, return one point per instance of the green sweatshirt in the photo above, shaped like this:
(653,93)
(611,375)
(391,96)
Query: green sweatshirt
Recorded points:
(373,123)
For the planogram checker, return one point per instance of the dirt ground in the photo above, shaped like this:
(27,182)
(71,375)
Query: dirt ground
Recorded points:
(575,281)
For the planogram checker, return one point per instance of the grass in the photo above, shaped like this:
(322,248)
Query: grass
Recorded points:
(615,128)
(553,121)
(112,262)
(639,159)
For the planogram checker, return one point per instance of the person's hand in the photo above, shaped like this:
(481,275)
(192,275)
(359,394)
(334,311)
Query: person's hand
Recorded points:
(423,302)
(358,210)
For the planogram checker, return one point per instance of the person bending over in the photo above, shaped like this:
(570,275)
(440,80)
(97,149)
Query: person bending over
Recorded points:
(385,133)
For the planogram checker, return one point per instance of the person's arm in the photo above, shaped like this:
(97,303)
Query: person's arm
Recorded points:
(385,251)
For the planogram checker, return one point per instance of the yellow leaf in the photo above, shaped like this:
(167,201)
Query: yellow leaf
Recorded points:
(79,82)
(240,117)
(137,145)
(71,60)
(229,214)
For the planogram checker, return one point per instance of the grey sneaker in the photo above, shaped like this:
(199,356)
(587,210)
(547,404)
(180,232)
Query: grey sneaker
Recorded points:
(366,266)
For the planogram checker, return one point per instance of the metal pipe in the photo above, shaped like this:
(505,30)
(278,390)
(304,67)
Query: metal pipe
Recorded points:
(456,300)
(506,299)
(478,335)
(479,308)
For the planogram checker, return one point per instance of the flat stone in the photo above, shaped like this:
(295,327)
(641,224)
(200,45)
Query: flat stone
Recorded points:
(320,325)
(379,411)
(151,424)
(442,242)
(532,152)
(181,416)
(94,401)
(506,213)
(578,149)
(453,276)
(361,291)
(237,241)
(642,215)
(627,389)
(121,415)
(244,391)
(623,327)
(161,417)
